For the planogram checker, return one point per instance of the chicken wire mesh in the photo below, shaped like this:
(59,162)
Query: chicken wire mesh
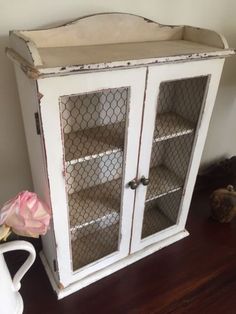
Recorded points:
(178,109)
(93,134)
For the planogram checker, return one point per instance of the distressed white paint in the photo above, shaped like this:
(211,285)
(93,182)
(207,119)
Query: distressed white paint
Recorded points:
(214,68)
(156,76)
(30,105)
(25,47)
(79,84)
(68,65)
(80,58)
(120,40)
(109,54)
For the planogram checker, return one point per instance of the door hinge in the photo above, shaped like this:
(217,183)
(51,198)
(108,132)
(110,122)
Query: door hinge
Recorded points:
(37,123)
(55,268)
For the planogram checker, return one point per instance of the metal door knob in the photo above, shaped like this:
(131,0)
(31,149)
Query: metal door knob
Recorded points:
(133,184)
(145,181)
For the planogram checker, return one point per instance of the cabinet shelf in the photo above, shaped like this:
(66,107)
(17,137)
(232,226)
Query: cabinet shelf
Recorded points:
(155,221)
(97,244)
(170,125)
(162,181)
(94,142)
(98,204)
(161,213)
(107,139)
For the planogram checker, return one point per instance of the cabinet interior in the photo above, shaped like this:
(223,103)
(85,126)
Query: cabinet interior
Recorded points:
(94,139)
(179,105)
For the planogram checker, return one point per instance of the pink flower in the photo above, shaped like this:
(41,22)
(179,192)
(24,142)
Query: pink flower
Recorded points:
(26,215)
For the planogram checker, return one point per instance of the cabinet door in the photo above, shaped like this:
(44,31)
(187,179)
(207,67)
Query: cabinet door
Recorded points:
(179,101)
(91,124)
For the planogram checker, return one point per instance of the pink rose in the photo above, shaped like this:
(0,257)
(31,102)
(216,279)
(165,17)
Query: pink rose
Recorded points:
(26,215)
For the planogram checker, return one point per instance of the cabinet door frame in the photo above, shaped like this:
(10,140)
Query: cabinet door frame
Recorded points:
(157,75)
(51,89)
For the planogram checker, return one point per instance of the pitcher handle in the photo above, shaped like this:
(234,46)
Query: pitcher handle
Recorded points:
(20,245)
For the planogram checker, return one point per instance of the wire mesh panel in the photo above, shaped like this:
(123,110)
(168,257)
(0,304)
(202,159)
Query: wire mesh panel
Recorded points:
(94,134)
(178,108)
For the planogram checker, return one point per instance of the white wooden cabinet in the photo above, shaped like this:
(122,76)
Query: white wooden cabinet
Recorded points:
(116,110)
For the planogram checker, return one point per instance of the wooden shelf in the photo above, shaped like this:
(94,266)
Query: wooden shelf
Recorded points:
(118,40)
(94,142)
(100,243)
(63,56)
(162,182)
(100,203)
(161,213)
(170,125)
(155,221)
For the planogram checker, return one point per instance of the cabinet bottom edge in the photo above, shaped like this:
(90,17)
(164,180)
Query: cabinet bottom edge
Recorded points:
(77,285)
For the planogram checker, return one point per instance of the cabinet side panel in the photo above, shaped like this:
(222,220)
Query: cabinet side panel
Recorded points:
(29,105)
(204,120)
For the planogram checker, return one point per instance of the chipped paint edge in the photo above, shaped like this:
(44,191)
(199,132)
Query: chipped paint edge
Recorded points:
(30,71)
(38,73)
(32,47)
(70,69)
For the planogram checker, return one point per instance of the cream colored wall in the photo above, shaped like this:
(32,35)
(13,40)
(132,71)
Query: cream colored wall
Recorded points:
(29,14)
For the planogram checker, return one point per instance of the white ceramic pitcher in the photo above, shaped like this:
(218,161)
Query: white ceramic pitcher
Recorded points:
(10,299)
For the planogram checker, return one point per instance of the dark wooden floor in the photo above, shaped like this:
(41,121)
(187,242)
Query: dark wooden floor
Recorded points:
(195,275)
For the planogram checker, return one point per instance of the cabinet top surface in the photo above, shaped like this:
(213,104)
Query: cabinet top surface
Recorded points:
(111,40)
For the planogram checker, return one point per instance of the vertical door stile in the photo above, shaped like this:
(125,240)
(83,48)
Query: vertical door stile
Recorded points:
(138,155)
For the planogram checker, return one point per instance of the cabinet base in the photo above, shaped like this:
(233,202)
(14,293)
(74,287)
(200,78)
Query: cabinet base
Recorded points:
(73,287)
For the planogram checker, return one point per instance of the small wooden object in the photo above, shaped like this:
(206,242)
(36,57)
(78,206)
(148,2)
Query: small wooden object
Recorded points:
(223,204)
